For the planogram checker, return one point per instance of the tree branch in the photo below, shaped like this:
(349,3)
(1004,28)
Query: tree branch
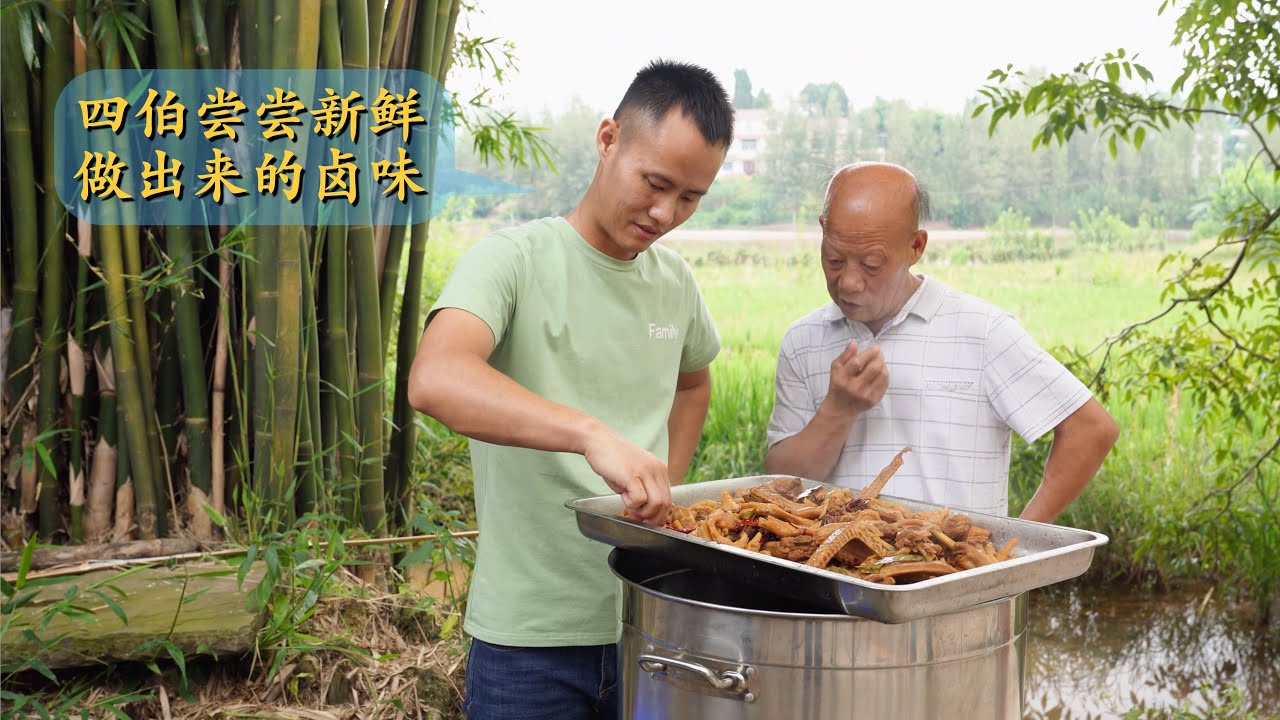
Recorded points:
(1236,342)
(1228,490)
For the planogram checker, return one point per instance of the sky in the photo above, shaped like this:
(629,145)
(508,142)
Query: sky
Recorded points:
(931,53)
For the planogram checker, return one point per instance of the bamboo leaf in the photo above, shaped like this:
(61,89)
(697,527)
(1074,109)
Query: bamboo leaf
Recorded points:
(114,606)
(28,45)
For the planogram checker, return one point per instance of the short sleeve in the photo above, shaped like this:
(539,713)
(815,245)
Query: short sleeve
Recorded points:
(1028,388)
(486,283)
(793,404)
(702,340)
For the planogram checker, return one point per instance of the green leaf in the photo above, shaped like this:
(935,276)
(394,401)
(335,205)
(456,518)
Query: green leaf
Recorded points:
(446,628)
(115,606)
(995,118)
(1113,72)
(27,41)
(41,668)
(1139,135)
(1111,146)
(24,563)
(215,516)
(420,554)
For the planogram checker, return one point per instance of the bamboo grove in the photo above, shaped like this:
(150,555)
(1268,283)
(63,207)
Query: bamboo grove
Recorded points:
(154,372)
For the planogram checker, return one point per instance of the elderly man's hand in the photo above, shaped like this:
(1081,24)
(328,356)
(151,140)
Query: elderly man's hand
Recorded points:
(633,472)
(858,380)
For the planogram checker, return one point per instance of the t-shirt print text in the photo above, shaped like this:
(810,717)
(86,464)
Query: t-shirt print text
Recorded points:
(663,332)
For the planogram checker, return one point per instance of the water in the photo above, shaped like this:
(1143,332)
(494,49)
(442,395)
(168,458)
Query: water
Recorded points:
(1097,653)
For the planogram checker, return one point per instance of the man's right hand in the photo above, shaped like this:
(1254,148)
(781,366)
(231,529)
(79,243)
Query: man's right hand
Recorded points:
(859,380)
(633,472)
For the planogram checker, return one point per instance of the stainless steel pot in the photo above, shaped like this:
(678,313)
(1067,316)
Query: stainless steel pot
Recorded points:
(696,647)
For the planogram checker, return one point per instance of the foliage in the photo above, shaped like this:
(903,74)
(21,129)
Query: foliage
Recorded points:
(972,178)
(495,136)
(1222,704)
(1011,238)
(1102,230)
(742,97)
(828,99)
(735,202)
(1218,337)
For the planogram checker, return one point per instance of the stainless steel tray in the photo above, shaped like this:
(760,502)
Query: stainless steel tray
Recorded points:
(1046,554)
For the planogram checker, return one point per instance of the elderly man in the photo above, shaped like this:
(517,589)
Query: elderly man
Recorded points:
(900,359)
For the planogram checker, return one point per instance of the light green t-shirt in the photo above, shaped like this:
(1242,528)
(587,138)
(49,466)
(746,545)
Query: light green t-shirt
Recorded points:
(606,337)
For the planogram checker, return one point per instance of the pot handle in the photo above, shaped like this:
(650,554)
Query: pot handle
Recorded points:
(728,682)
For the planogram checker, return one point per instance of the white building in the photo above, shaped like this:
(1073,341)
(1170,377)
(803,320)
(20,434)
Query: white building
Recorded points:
(750,129)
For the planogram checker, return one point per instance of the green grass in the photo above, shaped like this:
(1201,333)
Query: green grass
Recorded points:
(754,293)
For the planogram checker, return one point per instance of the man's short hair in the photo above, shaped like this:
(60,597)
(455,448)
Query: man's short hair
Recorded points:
(665,84)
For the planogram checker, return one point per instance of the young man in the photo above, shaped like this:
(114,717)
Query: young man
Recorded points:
(575,354)
(900,359)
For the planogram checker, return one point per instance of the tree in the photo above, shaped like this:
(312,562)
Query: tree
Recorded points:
(820,98)
(1218,336)
(742,98)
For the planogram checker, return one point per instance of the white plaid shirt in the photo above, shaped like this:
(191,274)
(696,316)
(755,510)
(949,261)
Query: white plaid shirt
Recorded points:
(962,375)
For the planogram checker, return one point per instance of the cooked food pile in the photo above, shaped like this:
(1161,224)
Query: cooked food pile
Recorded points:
(834,529)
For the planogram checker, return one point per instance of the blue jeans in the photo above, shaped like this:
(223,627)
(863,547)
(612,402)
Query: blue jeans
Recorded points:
(529,683)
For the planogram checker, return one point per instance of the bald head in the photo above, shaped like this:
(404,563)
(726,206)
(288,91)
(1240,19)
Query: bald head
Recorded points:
(864,187)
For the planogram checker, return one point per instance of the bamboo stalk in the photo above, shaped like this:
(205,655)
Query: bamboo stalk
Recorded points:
(338,370)
(250,45)
(102,475)
(222,332)
(185,38)
(186,309)
(199,33)
(77,360)
(368,336)
(309,455)
(168,374)
(377,14)
(56,74)
(21,184)
(391,28)
(77,369)
(335,367)
(423,50)
(133,397)
(128,383)
(404,36)
(389,286)
(129,235)
(308,495)
(216,28)
(263,32)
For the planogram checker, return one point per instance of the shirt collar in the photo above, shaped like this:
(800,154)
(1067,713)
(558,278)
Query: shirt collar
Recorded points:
(923,303)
